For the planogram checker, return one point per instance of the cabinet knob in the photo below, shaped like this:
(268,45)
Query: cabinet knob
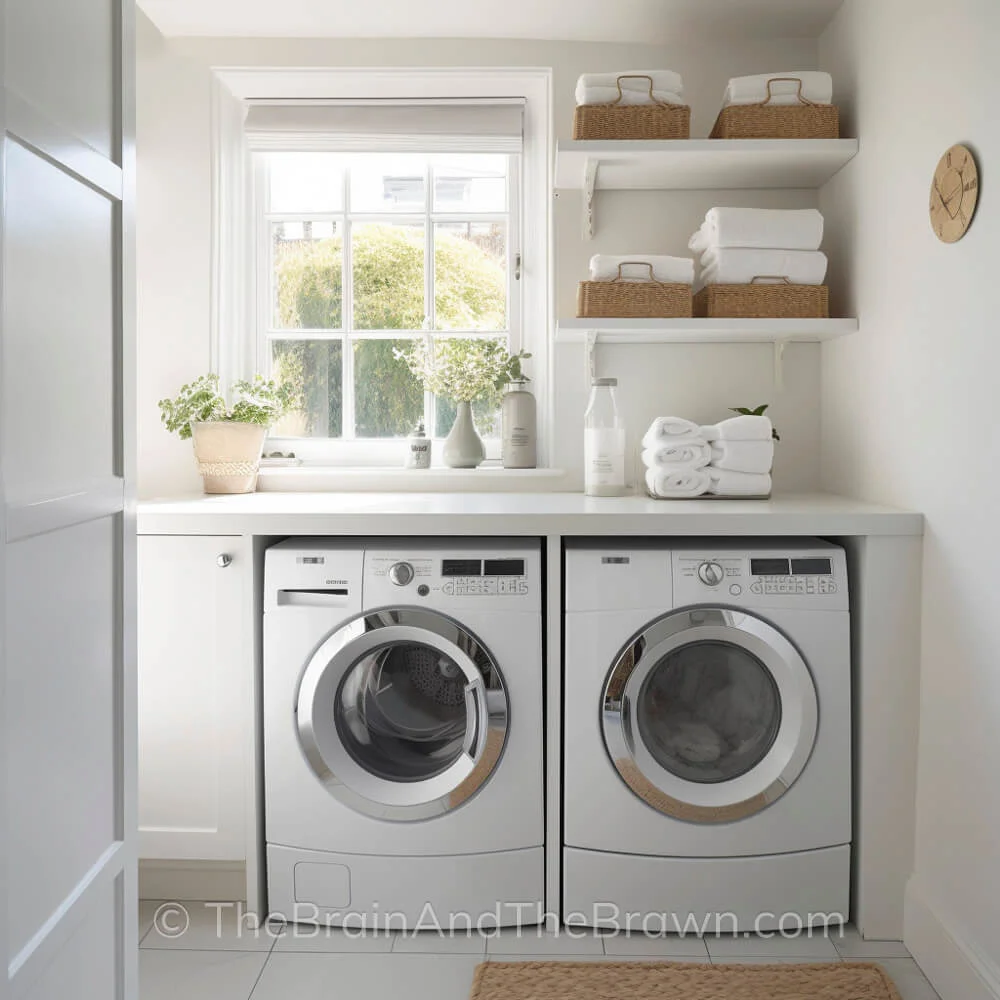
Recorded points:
(224,560)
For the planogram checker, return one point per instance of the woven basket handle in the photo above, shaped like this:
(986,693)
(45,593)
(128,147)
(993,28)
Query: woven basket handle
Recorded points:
(636,76)
(780,278)
(640,263)
(787,79)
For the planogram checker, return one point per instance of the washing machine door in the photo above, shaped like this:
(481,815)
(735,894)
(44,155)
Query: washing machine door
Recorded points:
(402,714)
(709,715)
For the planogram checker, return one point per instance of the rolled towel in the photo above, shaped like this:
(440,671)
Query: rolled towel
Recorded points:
(816,87)
(609,95)
(766,228)
(693,453)
(680,483)
(664,430)
(664,80)
(639,267)
(737,484)
(743,456)
(737,266)
(745,427)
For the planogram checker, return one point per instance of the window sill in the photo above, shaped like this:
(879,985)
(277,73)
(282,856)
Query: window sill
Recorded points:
(486,479)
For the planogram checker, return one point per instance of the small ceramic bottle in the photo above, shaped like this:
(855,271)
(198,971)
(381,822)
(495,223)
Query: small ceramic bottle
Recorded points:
(418,449)
(519,421)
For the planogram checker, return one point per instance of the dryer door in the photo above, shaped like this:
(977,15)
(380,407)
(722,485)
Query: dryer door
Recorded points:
(709,715)
(402,714)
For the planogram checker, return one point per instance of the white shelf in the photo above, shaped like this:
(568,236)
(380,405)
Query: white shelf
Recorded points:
(702,331)
(700,164)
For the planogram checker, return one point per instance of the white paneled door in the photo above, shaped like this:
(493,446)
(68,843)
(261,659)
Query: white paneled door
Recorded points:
(68,814)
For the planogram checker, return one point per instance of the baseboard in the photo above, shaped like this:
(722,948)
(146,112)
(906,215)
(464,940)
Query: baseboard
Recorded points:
(223,881)
(956,969)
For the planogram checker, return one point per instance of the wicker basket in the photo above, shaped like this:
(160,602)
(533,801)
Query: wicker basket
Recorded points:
(632,299)
(782,300)
(805,120)
(632,121)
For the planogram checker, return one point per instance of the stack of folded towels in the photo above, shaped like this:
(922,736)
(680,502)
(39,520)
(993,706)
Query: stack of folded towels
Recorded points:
(642,267)
(817,88)
(739,244)
(731,458)
(602,88)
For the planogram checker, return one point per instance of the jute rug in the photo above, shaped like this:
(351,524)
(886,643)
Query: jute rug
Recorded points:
(680,981)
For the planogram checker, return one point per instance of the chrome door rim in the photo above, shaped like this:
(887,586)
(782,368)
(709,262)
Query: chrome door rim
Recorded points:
(487,713)
(766,781)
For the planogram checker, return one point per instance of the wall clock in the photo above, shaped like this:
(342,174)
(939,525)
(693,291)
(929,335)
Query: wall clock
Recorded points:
(954,191)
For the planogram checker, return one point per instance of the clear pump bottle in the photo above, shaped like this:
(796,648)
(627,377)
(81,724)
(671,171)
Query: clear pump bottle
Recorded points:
(603,441)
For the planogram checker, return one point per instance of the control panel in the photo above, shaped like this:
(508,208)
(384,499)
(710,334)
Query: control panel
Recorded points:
(760,577)
(419,576)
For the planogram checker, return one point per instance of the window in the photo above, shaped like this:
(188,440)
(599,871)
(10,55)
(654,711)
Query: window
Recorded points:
(361,254)
(359,212)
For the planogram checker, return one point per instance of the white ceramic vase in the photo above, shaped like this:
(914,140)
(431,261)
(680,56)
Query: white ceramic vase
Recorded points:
(228,454)
(463,447)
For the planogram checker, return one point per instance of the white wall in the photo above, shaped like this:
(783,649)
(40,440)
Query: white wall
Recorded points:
(909,418)
(699,381)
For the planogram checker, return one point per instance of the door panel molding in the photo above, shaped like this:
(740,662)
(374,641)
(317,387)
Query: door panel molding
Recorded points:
(30,128)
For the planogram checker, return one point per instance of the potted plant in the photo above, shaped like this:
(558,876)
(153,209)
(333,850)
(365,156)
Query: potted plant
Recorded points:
(464,370)
(227,439)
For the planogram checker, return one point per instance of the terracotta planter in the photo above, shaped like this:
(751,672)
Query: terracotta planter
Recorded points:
(228,455)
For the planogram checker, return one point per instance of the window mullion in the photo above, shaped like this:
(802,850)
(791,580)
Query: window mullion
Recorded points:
(430,403)
(347,419)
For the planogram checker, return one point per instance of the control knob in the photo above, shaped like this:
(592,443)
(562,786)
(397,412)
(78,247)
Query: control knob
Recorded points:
(711,574)
(401,573)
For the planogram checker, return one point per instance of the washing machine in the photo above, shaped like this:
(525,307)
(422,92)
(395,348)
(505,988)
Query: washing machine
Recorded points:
(402,696)
(707,731)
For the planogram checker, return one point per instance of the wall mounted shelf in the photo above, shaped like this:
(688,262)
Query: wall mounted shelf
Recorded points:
(778,332)
(695,164)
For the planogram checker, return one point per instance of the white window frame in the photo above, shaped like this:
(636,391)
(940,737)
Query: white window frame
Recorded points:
(349,448)
(231,341)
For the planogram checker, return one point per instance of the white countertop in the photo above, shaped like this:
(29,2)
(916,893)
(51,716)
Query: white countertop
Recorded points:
(526,514)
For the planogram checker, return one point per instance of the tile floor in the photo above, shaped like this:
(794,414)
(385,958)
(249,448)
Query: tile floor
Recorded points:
(207,953)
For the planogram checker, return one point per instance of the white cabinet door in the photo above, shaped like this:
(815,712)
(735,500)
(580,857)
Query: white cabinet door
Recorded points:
(195,684)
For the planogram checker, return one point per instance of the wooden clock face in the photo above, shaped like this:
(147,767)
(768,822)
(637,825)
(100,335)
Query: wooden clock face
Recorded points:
(954,191)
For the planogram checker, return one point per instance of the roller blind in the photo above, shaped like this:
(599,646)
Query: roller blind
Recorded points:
(380,126)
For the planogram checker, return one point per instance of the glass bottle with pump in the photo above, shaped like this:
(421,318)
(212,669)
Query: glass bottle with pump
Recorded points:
(604,442)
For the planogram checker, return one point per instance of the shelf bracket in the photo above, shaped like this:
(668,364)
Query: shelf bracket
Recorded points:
(589,182)
(590,357)
(779,364)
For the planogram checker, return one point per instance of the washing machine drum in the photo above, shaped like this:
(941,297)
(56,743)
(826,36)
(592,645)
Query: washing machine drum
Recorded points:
(709,714)
(402,714)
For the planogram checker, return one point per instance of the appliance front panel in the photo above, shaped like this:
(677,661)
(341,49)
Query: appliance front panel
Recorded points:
(603,813)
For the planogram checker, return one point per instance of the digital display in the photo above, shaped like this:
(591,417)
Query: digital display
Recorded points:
(811,567)
(461,567)
(769,567)
(503,567)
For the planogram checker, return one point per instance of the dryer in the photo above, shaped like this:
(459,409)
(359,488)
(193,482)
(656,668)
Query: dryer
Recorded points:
(707,731)
(402,695)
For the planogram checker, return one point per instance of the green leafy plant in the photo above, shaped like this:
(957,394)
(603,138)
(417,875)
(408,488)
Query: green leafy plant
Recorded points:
(757,411)
(463,369)
(256,401)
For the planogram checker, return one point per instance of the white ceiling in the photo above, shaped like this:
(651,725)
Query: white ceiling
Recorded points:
(651,21)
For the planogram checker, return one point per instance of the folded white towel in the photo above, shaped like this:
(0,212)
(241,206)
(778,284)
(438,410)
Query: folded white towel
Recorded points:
(664,80)
(745,427)
(693,453)
(609,95)
(743,456)
(679,483)
(739,266)
(664,430)
(642,267)
(781,228)
(737,484)
(816,87)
